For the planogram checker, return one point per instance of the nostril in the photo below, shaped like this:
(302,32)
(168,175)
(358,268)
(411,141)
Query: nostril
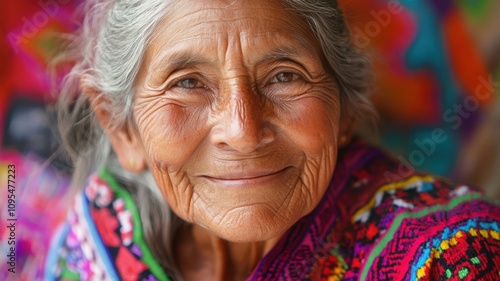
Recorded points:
(267,135)
(242,136)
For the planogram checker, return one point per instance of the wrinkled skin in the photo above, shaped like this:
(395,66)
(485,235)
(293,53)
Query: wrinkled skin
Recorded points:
(238,120)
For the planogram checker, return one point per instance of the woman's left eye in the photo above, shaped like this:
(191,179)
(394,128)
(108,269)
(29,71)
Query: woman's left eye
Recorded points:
(284,77)
(190,83)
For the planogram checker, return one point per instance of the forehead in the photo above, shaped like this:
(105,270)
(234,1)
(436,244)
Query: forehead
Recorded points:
(201,25)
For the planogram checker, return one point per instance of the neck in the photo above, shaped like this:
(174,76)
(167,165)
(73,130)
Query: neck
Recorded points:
(201,255)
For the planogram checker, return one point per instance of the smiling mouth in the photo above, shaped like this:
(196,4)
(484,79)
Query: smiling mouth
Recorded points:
(251,177)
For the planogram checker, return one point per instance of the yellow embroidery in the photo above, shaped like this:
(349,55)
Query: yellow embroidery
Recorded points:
(495,235)
(436,253)
(392,186)
(447,244)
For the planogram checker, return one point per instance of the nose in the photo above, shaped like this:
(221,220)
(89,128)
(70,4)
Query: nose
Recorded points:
(242,125)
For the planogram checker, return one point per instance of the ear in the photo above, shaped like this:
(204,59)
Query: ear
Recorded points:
(125,140)
(346,130)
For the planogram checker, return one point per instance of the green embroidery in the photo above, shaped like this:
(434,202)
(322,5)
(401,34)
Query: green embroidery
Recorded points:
(463,273)
(341,260)
(377,250)
(66,273)
(475,260)
(448,273)
(147,257)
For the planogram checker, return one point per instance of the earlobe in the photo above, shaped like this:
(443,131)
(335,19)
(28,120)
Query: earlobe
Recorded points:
(346,130)
(126,141)
(128,147)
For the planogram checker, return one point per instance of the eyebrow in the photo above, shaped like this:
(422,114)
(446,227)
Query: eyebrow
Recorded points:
(183,59)
(286,52)
(176,60)
(281,54)
(160,67)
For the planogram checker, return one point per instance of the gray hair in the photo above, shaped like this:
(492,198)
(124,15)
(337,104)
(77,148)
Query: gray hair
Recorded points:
(107,53)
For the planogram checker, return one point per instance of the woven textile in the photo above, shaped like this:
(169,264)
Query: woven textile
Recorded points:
(375,222)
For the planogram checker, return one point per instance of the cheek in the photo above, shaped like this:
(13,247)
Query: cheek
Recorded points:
(312,125)
(170,133)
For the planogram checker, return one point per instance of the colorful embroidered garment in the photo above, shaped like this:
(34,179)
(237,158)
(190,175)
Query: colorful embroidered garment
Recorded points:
(377,221)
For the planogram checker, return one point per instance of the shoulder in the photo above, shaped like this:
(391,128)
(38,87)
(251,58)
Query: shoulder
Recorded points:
(425,228)
(102,238)
(417,195)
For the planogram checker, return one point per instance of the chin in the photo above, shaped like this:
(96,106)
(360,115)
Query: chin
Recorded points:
(251,224)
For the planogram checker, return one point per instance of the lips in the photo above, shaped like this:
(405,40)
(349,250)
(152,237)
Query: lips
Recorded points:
(247,177)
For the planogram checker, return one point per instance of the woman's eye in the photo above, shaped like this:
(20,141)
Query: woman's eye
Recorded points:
(190,83)
(284,77)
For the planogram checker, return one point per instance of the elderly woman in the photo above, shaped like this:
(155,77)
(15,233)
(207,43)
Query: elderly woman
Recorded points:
(212,140)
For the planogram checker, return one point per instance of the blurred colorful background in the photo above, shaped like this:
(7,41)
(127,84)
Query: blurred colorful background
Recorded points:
(436,86)
(436,81)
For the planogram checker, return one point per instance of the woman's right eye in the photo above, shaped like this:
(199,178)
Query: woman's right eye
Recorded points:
(190,83)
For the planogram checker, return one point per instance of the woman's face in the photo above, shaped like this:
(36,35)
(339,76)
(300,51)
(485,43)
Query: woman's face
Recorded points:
(237,116)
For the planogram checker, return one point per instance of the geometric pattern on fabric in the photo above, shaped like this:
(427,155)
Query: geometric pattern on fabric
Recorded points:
(104,240)
(465,256)
(438,245)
